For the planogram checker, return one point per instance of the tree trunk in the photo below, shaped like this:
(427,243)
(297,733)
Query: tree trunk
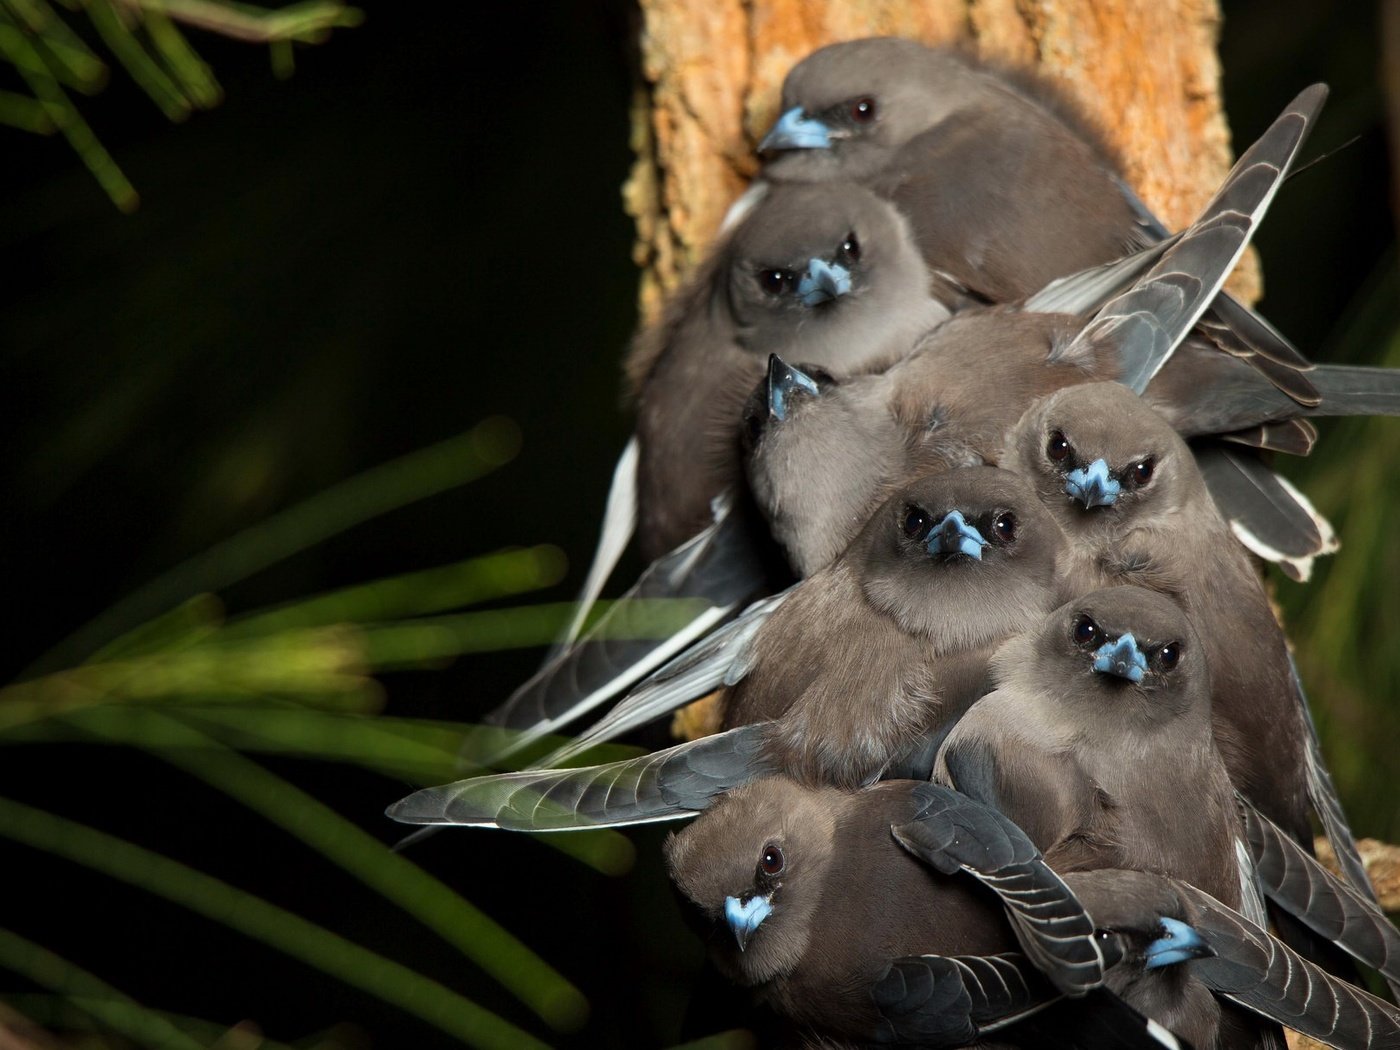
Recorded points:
(1145,71)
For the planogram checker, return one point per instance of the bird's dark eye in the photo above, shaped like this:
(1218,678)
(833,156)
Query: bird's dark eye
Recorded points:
(1085,631)
(1057,448)
(850,249)
(776,282)
(1169,655)
(771,861)
(1005,527)
(1142,470)
(863,110)
(916,523)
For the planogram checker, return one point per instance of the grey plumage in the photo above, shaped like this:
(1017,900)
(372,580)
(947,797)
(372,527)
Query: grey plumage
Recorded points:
(711,576)
(803,875)
(1269,516)
(839,680)
(692,372)
(1162,531)
(1247,965)
(915,123)
(827,272)
(1104,763)
(672,784)
(951,401)
(889,643)
(1296,882)
(820,474)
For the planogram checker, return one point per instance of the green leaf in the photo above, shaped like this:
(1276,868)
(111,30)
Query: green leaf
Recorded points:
(100,1000)
(15,49)
(25,113)
(385,488)
(163,91)
(196,78)
(467,582)
(528,977)
(262,921)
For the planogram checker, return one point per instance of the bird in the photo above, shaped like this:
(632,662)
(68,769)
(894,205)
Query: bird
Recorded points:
(885,646)
(1005,184)
(951,400)
(1124,485)
(828,273)
(1125,488)
(1130,338)
(792,885)
(847,675)
(1244,965)
(1096,741)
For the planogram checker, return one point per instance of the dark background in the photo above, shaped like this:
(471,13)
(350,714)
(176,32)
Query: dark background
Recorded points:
(422,228)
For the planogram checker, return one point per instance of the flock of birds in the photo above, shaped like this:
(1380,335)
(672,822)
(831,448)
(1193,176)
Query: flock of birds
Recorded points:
(962,462)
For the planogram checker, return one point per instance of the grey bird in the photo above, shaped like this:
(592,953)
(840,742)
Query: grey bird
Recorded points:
(1126,489)
(850,674)
(1097,741)
(884,646)
(1130,338)
(826,273)
(1005,185)
(1339,913)
(793,884)
(1245,964)
(953,398)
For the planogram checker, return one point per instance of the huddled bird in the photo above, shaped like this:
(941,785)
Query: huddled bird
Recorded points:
(963,465)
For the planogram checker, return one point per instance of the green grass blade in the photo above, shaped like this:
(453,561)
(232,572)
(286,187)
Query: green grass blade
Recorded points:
(189,622)
(16,50)
(430,641)
(282,58)
(419,753)
(25,113)
(503,574)
(377,491)
(528,977)
(321,666)
(196,78)
(69,1013)
(256,918)
(71,61)
(308,22)
(143,69)
(100,1000)
(416,750)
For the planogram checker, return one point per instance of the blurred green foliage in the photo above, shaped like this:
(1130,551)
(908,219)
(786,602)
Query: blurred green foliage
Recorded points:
(198,691)
(322,278)
(53,60)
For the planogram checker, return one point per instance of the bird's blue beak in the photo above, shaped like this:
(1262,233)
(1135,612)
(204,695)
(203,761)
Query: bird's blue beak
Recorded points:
(953,535)
(1122,658)
(783,381)
(1092,485)
(796,130)
(823,282)
(746,915)
(1178,943)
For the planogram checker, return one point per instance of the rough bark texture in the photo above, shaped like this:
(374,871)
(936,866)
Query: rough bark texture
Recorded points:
(1145,71)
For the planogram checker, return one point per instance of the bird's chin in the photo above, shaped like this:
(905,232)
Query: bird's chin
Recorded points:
(749,968)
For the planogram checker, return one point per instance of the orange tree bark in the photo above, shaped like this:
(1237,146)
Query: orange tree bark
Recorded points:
(1145,70)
